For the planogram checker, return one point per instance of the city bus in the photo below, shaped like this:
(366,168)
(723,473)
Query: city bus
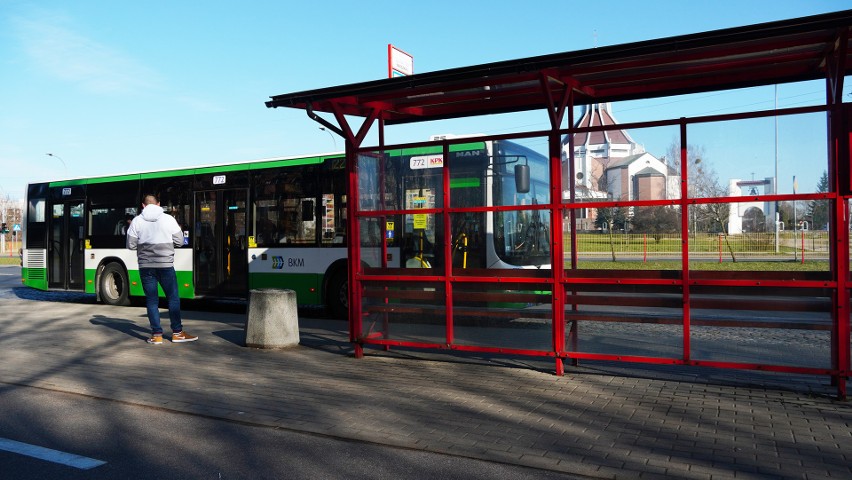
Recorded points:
(281,223)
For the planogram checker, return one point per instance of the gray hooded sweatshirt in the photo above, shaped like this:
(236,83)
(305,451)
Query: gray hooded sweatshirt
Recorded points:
(154,235)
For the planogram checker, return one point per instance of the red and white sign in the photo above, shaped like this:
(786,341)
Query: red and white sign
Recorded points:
(426,161)
(400,64)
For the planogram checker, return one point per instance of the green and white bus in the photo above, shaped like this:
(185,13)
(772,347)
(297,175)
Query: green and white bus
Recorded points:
(277,223)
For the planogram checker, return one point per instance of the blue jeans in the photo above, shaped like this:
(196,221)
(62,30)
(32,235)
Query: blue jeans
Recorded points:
(167,279)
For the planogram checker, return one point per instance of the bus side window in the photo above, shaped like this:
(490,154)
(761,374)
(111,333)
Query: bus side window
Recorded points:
(285,207)
(332,221)
(266,184)
(111,207)
(175,194)
(264,225)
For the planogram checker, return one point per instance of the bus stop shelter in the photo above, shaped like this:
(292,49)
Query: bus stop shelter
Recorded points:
(544,311)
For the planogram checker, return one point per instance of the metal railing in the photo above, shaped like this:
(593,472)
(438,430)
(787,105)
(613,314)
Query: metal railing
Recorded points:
(799,245)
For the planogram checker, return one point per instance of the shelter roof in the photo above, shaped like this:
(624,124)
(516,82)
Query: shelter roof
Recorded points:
(779,52)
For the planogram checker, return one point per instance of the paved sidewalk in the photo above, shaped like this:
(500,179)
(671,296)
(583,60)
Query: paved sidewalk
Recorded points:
(601,421)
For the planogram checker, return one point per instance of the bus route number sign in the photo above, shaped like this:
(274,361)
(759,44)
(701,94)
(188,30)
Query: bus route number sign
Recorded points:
(426,161)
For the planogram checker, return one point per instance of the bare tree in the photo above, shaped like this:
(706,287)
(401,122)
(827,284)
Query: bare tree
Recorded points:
(609,217)
(703,182)
(697,166)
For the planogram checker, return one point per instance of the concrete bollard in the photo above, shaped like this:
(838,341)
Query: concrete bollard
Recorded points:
(272,319)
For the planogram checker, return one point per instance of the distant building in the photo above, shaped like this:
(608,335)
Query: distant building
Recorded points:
(637,177)
(11,215)
(749,217)
(610,164)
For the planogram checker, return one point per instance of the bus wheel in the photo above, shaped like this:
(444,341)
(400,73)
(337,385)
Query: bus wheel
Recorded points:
(337,296)
(114,288)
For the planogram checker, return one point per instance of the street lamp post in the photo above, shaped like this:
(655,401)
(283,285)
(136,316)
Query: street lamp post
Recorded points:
(331,135)
(775,180)
(61,160)
(694,221)
(2,233)
(694,207)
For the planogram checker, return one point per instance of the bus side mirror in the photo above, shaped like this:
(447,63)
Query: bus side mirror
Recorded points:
(522,178)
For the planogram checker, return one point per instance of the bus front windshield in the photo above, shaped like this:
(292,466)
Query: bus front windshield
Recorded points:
(521,237)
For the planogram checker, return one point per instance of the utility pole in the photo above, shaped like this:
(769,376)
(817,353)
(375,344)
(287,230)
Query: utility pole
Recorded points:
(775,180)
(3,216)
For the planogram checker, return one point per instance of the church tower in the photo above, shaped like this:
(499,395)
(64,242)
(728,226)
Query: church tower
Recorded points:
(595,152)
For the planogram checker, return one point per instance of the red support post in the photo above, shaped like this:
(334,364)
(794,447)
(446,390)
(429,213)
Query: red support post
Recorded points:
(557,245)
(684,229)
(572,218)
(353,248)
(448,247)
(840,157)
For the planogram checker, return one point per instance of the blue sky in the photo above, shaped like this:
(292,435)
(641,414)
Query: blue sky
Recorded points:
(113,87)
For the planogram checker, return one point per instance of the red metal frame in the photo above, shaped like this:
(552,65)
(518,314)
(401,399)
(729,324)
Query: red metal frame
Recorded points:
(812,47)
(558,277)
(684,228)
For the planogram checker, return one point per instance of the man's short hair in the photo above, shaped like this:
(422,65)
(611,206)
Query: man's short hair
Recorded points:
(150,199)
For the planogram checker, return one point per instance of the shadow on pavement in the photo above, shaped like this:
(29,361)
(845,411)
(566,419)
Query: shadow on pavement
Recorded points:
(122,325)
(27,293)
(237,337)
(319,332)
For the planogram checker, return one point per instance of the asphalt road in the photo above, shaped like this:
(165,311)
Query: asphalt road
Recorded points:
(10,276)
(145,443)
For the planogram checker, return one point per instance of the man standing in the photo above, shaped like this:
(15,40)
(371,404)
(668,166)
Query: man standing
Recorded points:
(154,235)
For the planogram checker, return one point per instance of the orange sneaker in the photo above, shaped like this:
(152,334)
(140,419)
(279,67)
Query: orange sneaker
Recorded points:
(156,339)
(181,337)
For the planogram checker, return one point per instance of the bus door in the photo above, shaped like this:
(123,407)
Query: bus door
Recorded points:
(66,245)
(220,249)
(419,229)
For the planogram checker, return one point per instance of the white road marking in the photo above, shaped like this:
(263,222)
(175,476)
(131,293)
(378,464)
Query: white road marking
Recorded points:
(55,456)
